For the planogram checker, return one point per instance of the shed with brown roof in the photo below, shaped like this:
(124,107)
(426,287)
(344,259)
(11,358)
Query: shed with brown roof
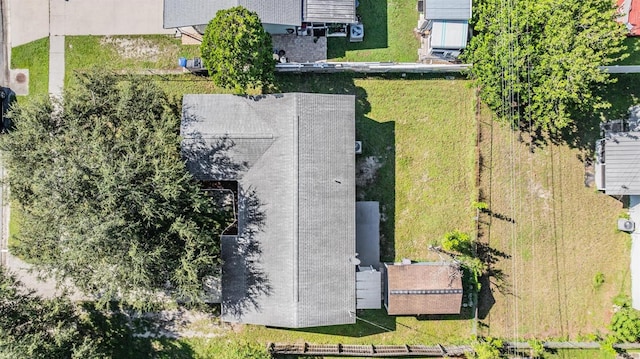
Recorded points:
(423,288)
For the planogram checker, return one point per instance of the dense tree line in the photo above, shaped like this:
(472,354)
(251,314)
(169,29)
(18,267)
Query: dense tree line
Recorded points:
(105,197)
(539,61)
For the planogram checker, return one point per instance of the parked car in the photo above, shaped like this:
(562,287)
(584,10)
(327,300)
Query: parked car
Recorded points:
(7,98)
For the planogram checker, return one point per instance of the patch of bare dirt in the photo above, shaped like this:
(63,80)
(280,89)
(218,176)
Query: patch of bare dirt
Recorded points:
(181,324)
(367,170)
(133,48)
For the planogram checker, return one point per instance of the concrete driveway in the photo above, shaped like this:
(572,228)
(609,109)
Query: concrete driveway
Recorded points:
(34,19)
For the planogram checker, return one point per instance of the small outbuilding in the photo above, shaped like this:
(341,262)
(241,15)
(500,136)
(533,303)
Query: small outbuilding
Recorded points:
(423,288)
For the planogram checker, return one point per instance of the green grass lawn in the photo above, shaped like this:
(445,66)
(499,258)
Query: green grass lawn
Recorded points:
(388,26)
(558,233)
(633,49)
(15,218)
(148,52)
(35,57)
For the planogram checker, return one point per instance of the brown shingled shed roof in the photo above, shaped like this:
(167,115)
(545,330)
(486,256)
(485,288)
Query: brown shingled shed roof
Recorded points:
(423,288)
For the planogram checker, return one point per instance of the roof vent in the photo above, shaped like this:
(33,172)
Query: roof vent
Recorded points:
(626,225)
(358,147)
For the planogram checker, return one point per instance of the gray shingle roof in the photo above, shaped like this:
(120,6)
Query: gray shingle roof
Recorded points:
(340,11)
(447,9)
(622,163)
(178,13)
(298,157)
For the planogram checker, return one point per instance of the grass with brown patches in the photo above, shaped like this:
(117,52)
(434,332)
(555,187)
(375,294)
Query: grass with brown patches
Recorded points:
(558,235)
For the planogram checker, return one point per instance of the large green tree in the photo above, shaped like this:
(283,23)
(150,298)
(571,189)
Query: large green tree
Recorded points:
(32,327)
(237,50)
(106,199)
(538,61)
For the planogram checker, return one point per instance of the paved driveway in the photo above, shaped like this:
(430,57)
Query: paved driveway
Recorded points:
(34,19)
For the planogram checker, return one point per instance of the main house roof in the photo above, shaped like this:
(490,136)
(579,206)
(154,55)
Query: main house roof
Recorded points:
(179,13)
(293,157)
(423,288)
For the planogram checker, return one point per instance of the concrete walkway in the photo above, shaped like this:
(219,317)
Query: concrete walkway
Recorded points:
(634,213)
(56,65)
(34,19)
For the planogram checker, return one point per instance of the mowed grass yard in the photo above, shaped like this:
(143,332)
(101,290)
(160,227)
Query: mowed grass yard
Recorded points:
(388,33)
(558,233)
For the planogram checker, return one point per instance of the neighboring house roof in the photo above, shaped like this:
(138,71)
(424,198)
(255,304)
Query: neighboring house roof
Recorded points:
(634,18)
(630,15)
(423,288)
(296,153)
(337,11)
(622,163)
(179,13)
(447,9)
(449,35)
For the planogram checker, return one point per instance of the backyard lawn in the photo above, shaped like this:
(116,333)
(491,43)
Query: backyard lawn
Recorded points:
(388,29)
(564,260)
(633,49)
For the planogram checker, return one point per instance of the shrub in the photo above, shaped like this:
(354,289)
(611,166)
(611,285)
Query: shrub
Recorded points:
(598,280)
(457,241)
(488,348)
(625,323)
(537,348)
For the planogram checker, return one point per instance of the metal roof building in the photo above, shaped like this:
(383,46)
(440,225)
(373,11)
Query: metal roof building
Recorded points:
(180,13)
(447,9)
(447,34)
(423,288)
(368,233)
(618,167)
(291,264)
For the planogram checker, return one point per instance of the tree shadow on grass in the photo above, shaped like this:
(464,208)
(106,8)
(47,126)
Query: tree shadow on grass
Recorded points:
(622,94)
(465,313)
(585,130)
(368,322)
(492,279)
(374,18)
(121,336)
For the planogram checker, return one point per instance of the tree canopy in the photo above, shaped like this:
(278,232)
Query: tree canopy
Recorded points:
(237,50)
(539,61)
(106,199)
(32,327)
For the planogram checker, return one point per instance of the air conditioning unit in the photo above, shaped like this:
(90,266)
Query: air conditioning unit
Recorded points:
(626,225)
(356,32)
(358,147)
